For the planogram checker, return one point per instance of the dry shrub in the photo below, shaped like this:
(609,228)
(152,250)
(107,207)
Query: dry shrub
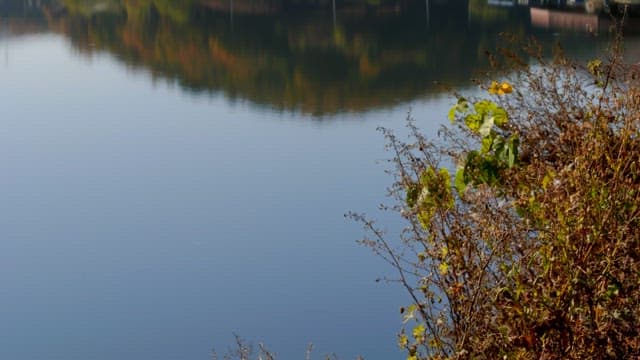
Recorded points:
(532,249)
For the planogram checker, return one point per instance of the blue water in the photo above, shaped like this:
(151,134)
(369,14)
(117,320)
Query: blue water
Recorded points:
(138,222)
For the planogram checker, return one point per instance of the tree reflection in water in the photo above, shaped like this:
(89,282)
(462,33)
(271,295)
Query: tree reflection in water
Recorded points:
(296,56)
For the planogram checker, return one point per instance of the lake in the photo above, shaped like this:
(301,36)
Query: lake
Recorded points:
(174,172)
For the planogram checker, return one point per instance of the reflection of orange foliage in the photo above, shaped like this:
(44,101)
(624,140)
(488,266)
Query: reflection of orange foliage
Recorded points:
(367,68)
(54,18)
(242,71)
(234,66)
(165,49)
(221,55)
(397,58)
(131,39)
(304,69)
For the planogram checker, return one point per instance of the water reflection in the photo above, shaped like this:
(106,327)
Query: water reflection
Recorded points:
(138,223)
(316,59)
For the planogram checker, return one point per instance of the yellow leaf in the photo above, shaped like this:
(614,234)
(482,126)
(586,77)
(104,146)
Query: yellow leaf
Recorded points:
(500,89)
(444,251)
(493,89)
(444,268)
(418,332)
(403,341)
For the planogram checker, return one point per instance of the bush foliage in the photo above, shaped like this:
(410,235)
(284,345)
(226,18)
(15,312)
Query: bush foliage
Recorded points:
(528,247)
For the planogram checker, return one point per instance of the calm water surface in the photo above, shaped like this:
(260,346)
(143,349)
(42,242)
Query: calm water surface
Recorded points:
(172,173)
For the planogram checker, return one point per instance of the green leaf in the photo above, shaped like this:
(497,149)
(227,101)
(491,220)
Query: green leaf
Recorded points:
(452,114)
(484,106)
(612,290)
(459,182)
(511,159)
(410,313)
(462,106)
(487,125)
(498,145)
(473,122)
(500,116)
(594,66)
(489,171)
(501,150)
(487,142)
(427,176)
(512,151)
(444,173)
(413,191)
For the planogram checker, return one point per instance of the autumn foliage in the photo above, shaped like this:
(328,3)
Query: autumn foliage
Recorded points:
(523,217)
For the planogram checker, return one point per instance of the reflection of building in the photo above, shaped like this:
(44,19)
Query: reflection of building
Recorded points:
(556,19)
(589,6)
(593,16)
(501,2)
